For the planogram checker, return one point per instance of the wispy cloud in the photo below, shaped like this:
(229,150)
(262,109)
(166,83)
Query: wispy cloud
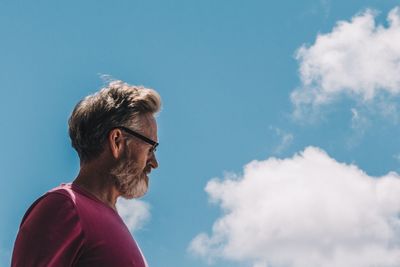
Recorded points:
(326,7)
(397,157)
(359,125)
(135,213)
(357,120)
(285,140)
(304,211)
(358,59)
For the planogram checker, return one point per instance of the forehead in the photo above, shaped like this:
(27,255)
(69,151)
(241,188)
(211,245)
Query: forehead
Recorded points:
(149,125)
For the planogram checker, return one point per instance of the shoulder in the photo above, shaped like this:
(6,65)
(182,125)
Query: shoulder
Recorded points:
(57,202)
(50,206)
(50,233)
(64,190)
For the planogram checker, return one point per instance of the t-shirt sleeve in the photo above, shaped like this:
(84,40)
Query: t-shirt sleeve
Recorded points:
(50,234)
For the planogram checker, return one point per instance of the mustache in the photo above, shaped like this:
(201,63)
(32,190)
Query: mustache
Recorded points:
(147,169)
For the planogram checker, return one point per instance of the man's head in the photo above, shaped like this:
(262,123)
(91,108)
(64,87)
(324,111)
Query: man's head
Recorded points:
(118,120)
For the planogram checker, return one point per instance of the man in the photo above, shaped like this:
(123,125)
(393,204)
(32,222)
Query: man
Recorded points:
(115,134)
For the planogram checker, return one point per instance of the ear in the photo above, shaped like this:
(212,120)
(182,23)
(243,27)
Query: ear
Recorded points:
(116,144)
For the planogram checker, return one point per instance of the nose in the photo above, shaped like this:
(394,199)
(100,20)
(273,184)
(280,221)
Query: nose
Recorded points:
(153,161)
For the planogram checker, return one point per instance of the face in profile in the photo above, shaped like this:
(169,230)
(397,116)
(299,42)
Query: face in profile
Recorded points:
(131,172)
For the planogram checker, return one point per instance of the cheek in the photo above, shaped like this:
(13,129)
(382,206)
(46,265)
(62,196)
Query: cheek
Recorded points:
(144,161)
(140,157)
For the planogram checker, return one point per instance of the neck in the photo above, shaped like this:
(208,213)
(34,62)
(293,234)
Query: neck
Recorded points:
(94,178)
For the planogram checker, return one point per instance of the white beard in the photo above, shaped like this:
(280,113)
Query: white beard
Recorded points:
(130,180)
(138,190)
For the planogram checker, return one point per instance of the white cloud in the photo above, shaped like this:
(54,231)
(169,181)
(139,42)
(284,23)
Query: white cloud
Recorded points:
(304,211)
(358,58)
(135,213)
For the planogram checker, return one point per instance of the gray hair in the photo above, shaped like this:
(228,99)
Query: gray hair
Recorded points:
(115,105)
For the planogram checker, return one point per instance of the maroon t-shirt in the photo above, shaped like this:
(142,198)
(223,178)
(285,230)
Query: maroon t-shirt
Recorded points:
(70,227)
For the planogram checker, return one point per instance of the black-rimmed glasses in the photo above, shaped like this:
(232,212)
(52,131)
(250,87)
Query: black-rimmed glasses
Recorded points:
(154,144)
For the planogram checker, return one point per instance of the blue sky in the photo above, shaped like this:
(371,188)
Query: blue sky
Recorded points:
(227,72)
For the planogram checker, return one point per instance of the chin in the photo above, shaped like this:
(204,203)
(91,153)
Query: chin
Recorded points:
(130,180)
(137,189)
